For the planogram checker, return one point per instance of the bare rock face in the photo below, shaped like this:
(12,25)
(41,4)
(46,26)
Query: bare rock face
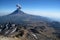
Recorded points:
(19,32)
(8,38)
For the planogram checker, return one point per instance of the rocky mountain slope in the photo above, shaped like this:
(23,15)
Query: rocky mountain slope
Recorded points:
(21,26)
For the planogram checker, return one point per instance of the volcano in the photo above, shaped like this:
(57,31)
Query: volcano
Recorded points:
(24,26)
(19,16)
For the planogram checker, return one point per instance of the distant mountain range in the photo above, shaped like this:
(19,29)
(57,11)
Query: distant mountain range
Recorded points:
(19,16)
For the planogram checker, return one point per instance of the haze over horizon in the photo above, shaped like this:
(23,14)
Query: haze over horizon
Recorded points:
(47,8)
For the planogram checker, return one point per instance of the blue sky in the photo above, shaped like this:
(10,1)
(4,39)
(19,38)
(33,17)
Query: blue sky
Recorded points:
(48,8)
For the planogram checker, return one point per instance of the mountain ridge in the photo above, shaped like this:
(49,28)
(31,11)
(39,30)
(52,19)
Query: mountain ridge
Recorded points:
(20,15)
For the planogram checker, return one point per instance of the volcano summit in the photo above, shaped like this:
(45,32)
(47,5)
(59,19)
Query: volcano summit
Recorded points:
(19,16)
